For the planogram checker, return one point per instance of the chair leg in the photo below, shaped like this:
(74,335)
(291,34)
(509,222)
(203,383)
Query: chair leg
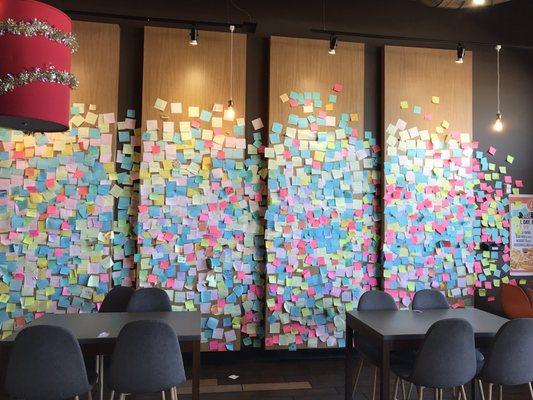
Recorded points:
(530,390)
(463,391)
(481,390)
(174,393)
(436,394)
(112,395)
(490,391)
(375,383)
(441,395)
(409,391)
(359,368)
(396,385)
(404,394)
(501,392)
(162,395)
(122,397)
(457,395)
(77,398)
(421,393)
(89,395)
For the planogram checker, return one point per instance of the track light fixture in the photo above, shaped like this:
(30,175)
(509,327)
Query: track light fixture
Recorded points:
(194,36)
(333,41)
(460,53)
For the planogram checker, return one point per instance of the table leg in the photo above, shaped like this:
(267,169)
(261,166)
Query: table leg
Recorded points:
(196,370)
(385,371)
(101,376)
(349,365)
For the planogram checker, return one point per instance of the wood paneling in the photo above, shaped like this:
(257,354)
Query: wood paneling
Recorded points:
(96,65)
(304,65)
(416,75)
(193,75)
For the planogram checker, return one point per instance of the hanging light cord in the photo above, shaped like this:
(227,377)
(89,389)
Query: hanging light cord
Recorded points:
(498,48)
(231,29)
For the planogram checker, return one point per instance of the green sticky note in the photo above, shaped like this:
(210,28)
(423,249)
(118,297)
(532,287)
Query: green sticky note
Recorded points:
(510,159)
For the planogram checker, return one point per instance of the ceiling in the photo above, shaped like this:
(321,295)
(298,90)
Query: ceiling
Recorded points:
(458,3)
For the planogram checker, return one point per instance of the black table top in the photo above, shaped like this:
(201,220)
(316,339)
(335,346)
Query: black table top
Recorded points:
(408,324)
(87,327)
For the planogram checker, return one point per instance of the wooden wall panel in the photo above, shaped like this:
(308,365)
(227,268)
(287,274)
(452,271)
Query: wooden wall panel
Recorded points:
(416,75)
(96,65)
(305,65)
(193,75)
(302,68)
(427,157)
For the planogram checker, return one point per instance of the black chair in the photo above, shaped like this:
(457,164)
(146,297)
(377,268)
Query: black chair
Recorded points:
(509,362)
(117,299)
(446,359)
(428,299)
(46,363)
(147,359)
(374,300)
(149,300)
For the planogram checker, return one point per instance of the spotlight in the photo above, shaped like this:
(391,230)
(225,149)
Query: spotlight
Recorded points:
(479,2)
(460,53)
(332,44)
(194,36)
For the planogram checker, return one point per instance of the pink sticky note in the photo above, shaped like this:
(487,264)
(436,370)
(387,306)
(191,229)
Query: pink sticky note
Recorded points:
(337,88)
(492,150)
(519,183)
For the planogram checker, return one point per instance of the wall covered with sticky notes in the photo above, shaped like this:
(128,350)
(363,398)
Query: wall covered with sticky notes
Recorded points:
(323,180)
(201,190)
(57,196)
(443,196)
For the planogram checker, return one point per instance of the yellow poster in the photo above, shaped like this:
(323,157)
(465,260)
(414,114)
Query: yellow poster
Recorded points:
(521,208)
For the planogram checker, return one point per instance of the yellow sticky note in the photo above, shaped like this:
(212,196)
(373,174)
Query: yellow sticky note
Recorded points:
(435,99)
(160,104)
(194,112)
(284,98)
(404,104)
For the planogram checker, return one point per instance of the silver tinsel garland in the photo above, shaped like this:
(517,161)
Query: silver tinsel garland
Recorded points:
(38,28)
(51,74)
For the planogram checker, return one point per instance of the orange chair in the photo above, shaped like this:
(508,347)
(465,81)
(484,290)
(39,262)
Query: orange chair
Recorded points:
(516,303)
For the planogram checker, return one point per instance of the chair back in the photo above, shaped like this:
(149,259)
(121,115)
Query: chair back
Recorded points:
(515,302)
(509,360)
(447,357)
(376,300)
(117,299)
(149,300)
(46,363)
(428,299)
(146,359)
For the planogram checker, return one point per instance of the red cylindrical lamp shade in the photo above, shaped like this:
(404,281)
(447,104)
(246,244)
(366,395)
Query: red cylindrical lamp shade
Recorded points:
(41,104)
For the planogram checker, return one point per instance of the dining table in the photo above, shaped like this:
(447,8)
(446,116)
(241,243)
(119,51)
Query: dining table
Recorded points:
(403,329)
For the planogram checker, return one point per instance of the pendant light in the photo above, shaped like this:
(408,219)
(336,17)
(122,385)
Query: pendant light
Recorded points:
(498,124)
(230,111)
(460,53)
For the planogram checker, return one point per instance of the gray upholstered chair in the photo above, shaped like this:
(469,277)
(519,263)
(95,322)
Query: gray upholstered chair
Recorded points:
(146,359)
(428,299)
(445,360)
(46,363)
(149,300)
(117,299)
(510,360)
(374,300)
